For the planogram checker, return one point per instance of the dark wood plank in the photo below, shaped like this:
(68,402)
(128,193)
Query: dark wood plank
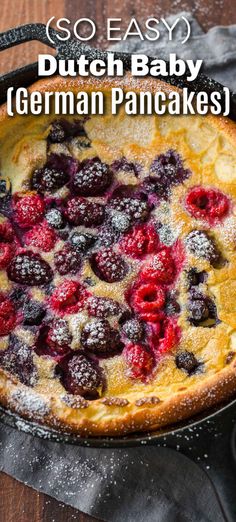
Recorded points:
(18,502)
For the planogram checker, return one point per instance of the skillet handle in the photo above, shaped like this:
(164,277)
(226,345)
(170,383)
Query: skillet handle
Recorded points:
(214,449)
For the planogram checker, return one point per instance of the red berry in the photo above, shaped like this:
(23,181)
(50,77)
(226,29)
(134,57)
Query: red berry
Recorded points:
(42,237)
(80,211)
(6,254)
(109,266)
(28,210)
(148,300)
(59,337)
(209,204)
(67,260)
(170,337)
(142,240)
(6,232)
(139,360)
(160,269)
(7,315)
(68,298)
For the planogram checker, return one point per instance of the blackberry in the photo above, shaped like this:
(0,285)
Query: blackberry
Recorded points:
(202,246)
(187,361)
(120,221)
(49,179)
(107,236)
(126,166)
(80,211)
(57,133)
(134,330)
(18,360)
(80,375)
(29,269)
(92,178)
(82,241)
(59,336)
(18,296)
(67,260)
(99,337)
(135,208)
(102,307)
(55,218)
(109,266)
(166,171)
(33,313)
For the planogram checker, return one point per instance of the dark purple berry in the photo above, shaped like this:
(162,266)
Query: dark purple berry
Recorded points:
(199,244)
(172,306)
(102,307)
(29,269)
(195,278)
(99,337)
(136,209)
(49,179)
(198,310)
(107,236)
(18,296)
(120,221)
(82,241)
(59,337)
(18,360)
(134,330)
(92,178)
(57,133)
(67,260)
(126,166)
(55,218)
(187,361)
(80,375)
(33,313)
(63,162)
(109,266)
(80,211)
(166,171)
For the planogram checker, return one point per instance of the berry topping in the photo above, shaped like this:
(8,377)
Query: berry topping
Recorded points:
(55,218)
(198,310)
(160,269)
(102,307)
(18,360)
(142,240)
(120,222)
(187,361)
(80,375)
(67,260)
(195,278)
(126,166)
(107,236)
(29,269)
(82,241)
(57,133)
(169,336)
(68,298)
(6,254)
(6,232)
(209,204)
(148,300)
(33,313)
(41,236)
(28,210)
(99,337)
(134,330)
(79,211)
(136,209)
(202,246)
(92,178)
(59,337)
(166,171)
(7,315)
(139,360)
(48,179)
(109,266)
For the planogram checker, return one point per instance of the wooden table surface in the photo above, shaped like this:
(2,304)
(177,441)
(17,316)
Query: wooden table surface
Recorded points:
(19,503)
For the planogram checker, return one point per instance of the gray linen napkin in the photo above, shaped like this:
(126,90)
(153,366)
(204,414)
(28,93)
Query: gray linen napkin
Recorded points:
(145,484)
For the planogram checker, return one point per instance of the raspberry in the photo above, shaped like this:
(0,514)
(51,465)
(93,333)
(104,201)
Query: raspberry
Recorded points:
(80,375)
(59,337)
(209,204)
(49,179)
(133,330)
(148,300)
(187,361)
(28,210)
(79,211)
(7,315)
(42,237)
(68,298)
(140,241)
(33,313)
(102,307)
(109,266)
(18,360)
(29,269)
(135,208)
(167,170)
(6,254)
(139,360)
(82,241)
(170,337)
(55,218)
(67,260)
(202,246)
(92,178)
(160,269)
(99,337)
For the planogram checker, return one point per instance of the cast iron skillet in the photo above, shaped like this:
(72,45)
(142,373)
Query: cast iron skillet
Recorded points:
(209,439)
